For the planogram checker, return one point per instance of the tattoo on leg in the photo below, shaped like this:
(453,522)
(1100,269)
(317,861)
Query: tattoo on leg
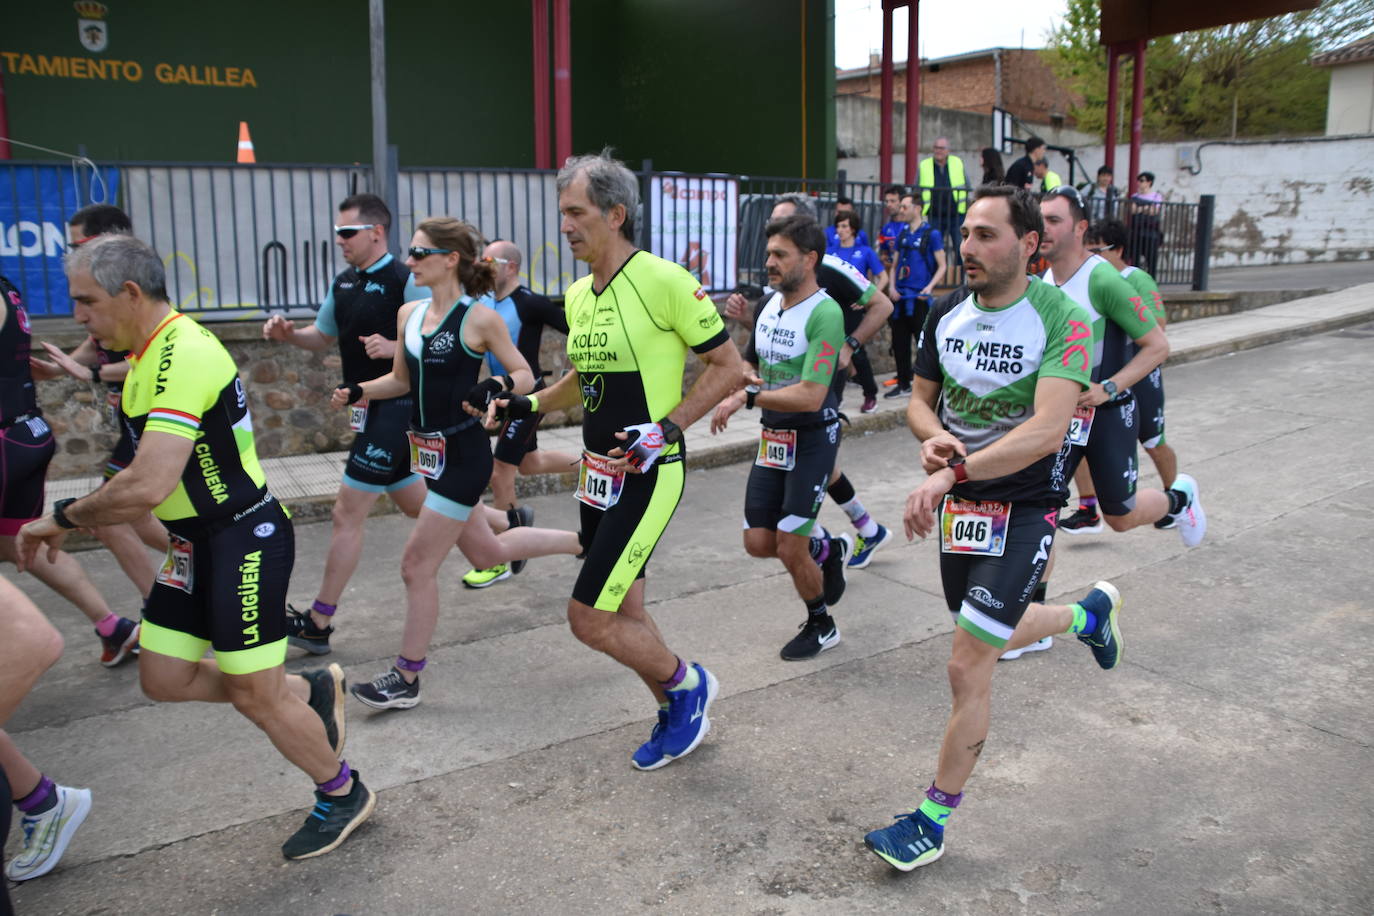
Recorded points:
(978,748)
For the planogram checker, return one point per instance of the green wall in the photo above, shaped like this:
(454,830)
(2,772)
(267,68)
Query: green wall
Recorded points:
(713,85)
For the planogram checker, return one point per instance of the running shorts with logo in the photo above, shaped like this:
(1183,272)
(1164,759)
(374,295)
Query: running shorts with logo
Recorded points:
(797,449)
(223,584)
(1111,454)
(1120,316)
(26,447)
(517,438)
(379,458)
(628,343)
(442,371)
(988,363)
(1149,391)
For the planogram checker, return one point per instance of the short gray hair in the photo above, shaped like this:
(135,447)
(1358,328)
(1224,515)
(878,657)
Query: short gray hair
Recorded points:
(113,260)
(803,202)
(609,183)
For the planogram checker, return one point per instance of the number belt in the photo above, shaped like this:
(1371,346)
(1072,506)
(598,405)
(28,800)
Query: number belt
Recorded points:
(447,431)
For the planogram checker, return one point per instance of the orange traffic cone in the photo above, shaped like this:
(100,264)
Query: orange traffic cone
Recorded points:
(245,144)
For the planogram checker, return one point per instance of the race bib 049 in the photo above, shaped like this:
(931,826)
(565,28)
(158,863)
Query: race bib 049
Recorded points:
(777,449)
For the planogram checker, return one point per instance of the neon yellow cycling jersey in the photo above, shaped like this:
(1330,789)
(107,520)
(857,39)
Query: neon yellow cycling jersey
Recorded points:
(629,344)
(184,383)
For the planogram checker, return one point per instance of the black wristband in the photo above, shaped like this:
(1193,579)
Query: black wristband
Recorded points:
(853,343)
(59,513)
(355,393)
(508,382)
(671,431)
(95,373)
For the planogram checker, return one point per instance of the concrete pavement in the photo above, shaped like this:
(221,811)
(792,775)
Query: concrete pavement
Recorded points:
(1225,767)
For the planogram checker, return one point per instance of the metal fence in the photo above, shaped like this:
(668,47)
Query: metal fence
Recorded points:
(242,239)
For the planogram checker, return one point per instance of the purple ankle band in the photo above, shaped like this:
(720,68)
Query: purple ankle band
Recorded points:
(825,552)
(406,664)
(37,796)
(338,782)
(319,607)
(677,676)
(942,798)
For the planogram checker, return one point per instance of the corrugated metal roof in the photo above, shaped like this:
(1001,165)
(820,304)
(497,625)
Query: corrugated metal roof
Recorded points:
(1352,53)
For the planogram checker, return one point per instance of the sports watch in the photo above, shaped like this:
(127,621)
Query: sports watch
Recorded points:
(1109,388)
(750,392)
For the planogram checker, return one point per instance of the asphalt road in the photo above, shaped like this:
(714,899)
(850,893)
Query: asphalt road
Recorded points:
(1225,767)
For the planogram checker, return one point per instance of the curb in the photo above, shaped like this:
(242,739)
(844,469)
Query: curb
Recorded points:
(1264,338)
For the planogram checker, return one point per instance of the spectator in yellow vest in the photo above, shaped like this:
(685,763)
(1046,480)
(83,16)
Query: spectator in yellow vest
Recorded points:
(943,182)
(1045,180)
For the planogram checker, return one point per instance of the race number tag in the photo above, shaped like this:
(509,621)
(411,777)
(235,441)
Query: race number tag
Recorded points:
(599,484)
(357,416)
(777,449)
(1081,425)
(177,571)
(426,454)
(973,527)
(112,399)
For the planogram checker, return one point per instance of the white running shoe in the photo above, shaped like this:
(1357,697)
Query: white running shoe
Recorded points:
(1192,520)
(1040,645)
(46,835)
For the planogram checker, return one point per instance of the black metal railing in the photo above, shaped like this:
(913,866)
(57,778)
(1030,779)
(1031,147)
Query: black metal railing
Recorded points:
(242,239)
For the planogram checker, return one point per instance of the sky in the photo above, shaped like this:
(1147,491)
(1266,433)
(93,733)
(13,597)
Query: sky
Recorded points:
(946,27)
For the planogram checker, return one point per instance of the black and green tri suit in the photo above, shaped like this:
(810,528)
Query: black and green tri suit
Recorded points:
(628,343)
(225,579)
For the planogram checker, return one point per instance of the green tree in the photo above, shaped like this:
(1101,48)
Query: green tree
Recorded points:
(1247,79)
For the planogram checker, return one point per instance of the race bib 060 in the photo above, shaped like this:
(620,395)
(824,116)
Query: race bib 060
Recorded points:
(426,454)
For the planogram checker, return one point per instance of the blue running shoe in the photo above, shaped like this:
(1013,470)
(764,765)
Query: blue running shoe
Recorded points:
(688,717)
(650,753)
(909,843)
(1104,601)
(864,548)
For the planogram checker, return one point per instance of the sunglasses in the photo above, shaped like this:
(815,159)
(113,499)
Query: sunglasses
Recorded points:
(81,241)
(419,254)
(497,260)
(1069,191)
(1101,248)
(347,232)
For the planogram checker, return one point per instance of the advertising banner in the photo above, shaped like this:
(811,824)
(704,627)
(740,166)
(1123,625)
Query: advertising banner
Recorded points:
(695,223)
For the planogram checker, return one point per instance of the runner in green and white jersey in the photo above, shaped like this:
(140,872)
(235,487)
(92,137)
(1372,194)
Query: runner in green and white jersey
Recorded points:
(794,353)
(1005,367)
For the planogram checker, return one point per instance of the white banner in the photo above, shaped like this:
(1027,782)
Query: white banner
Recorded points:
(695,223)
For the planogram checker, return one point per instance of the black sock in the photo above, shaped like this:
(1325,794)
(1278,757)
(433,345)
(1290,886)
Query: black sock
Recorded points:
(842,491)
(1178,501)
(816,607)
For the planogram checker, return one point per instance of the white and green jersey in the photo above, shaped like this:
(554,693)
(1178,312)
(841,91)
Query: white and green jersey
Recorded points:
(800,343)
(1120,316)
(988,362)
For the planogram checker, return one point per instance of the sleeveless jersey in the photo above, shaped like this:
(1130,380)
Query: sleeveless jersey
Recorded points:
(362,303)
(525,313)
(628,343)
(796,344)
(17,394)
(988,362)
(183,382)
(1118,315)
(442,368)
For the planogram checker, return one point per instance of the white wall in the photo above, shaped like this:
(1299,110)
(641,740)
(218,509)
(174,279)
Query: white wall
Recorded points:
(1277,202)
(1350,100)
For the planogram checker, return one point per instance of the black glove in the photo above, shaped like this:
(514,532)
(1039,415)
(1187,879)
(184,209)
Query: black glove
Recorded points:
(481,394)
(515,406)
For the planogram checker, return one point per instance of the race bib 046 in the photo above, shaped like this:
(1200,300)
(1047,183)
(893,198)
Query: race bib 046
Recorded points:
(974,527)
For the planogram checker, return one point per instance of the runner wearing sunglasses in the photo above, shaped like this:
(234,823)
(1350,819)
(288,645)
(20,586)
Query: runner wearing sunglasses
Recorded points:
(360,314)
(443,342)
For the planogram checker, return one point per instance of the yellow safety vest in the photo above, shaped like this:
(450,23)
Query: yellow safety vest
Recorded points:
(956,182)
(1052,181)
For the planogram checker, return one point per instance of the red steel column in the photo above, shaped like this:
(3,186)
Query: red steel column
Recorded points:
(913,90)
(1137,113)
(562,80)
(886,102)
(539,16)
(1113,101)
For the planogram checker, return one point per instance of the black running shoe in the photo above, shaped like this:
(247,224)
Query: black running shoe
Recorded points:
(817,634)
(327,699)
(522,517)
(332,820)
(832,570)
(388,691)
(302,633)
(1083,521)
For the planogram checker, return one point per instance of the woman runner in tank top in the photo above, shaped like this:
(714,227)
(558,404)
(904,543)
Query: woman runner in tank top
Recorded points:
(443,342)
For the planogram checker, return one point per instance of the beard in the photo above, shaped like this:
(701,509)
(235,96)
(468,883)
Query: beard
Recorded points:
(993,278)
